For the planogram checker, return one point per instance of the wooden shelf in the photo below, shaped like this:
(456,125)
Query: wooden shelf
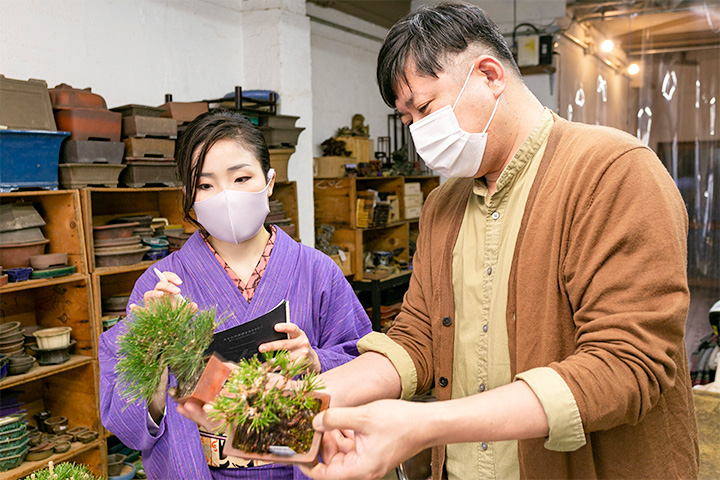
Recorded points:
(41,282)
(388,225)
(135,267)
(41,371)
(537,69)
(26,468)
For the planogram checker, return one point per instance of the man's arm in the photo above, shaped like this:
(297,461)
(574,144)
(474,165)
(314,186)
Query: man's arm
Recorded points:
(367,378)
(387,432)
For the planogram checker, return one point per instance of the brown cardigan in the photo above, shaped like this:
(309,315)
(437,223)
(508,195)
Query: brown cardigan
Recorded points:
(598,292)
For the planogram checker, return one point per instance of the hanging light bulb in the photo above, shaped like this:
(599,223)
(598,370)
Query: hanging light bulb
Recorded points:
(607,46)
(633,69)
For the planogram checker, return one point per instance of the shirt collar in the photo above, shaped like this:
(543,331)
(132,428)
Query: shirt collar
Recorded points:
(527,151)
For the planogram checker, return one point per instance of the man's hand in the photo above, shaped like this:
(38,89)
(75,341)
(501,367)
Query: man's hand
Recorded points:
(367,442)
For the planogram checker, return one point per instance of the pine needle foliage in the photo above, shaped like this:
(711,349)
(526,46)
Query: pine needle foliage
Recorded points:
(164,333)
(259,401)
(63,471)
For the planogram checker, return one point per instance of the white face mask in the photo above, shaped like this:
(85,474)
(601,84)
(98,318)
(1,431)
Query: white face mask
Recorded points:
(233,216)
(447,148)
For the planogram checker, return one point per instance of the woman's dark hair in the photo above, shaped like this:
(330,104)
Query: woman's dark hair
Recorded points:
(427,35)
(200,136)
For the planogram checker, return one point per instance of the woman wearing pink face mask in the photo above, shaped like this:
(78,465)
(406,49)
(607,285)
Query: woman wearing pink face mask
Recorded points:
(244,269)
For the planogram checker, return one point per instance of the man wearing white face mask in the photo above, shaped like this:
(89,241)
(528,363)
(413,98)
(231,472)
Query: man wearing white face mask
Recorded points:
(549,294)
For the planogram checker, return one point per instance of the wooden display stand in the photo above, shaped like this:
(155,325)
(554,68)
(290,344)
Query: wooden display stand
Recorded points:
(69,389)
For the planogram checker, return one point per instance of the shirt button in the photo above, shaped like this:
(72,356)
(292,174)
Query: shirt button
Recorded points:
(481,388)
(489,270)
(447,321)
(495,215)
(484,445)
(485,328)
(443,382)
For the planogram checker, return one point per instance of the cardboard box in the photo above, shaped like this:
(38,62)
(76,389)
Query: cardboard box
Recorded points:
(415,200)
(345,265)
(412,188)
(412,212)
(331,167)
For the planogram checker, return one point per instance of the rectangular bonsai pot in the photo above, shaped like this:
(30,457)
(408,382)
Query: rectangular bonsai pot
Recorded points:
(308,458)
(89,123)
(29,158)
(150,173)
(92,151)
(140,126)
(80,175)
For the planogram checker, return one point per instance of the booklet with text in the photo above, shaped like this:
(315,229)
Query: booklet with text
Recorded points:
(243,341)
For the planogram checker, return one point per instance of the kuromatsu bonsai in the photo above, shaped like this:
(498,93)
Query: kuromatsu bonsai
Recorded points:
(165,333)
(267,415)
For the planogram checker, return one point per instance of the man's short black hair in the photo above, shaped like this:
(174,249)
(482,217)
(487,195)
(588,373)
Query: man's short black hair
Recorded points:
(427,35)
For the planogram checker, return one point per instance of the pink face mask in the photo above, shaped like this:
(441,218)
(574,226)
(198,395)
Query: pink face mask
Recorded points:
(233,216)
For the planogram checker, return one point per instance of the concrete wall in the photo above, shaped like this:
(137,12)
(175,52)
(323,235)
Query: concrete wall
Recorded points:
(128,51)
(343,74)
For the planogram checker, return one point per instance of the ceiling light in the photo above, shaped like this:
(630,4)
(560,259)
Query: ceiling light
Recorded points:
(607,46)
(633,68)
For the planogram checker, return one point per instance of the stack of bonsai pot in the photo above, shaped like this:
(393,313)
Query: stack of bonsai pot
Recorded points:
(52,345)
(113,309)
(277,217)
(281,136)
(117,244)
(22,246)
(12,350)
(92,156)
(30,140)
(149,146)
(20,441)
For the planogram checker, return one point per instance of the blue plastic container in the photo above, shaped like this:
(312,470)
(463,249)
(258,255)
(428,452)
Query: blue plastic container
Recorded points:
(29,159)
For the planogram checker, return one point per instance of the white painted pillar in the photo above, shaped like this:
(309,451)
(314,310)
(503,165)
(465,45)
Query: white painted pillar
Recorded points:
(276,51)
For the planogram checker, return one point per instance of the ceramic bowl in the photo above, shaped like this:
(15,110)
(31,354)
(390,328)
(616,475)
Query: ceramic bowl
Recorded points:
(75,431)
(11,334)
(63,438)
(60,429)
(53,356)
(14,337)
(9,327)
(40,452)
(21,359)
(20,368)
(127,472)
(41,262)
(11,348)
(56,337)
(87,437)
(115,464)
(35,438)
(51,422)
(62,447)
(120,230)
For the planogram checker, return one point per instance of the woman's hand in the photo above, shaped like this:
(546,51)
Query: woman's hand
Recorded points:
(171,287)
(297,345)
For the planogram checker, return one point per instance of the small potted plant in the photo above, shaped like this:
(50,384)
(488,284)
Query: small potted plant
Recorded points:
(266,418)
(169,333)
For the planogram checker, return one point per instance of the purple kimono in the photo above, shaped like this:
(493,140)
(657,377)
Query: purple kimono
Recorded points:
(322,304)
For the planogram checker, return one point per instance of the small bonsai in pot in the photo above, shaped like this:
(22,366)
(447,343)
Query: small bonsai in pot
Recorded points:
(268,416)
(169,333)
(64,471)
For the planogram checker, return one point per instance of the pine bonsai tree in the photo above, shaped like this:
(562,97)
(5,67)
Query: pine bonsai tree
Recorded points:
(259,403)
(63,471)
(164,333)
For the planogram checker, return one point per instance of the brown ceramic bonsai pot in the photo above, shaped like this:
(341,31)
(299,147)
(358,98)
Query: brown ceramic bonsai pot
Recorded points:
(285,454)
(210,383)
(87,437)
(75,431)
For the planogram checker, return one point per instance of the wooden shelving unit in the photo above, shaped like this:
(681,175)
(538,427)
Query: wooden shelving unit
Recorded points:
(69,389)
(336,204)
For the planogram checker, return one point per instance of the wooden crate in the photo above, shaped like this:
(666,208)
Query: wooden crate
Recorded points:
(331,167)
(100,205)
(64,226)
(363,241)
(336,199)
(286,192)
(59,302)
(360,148)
